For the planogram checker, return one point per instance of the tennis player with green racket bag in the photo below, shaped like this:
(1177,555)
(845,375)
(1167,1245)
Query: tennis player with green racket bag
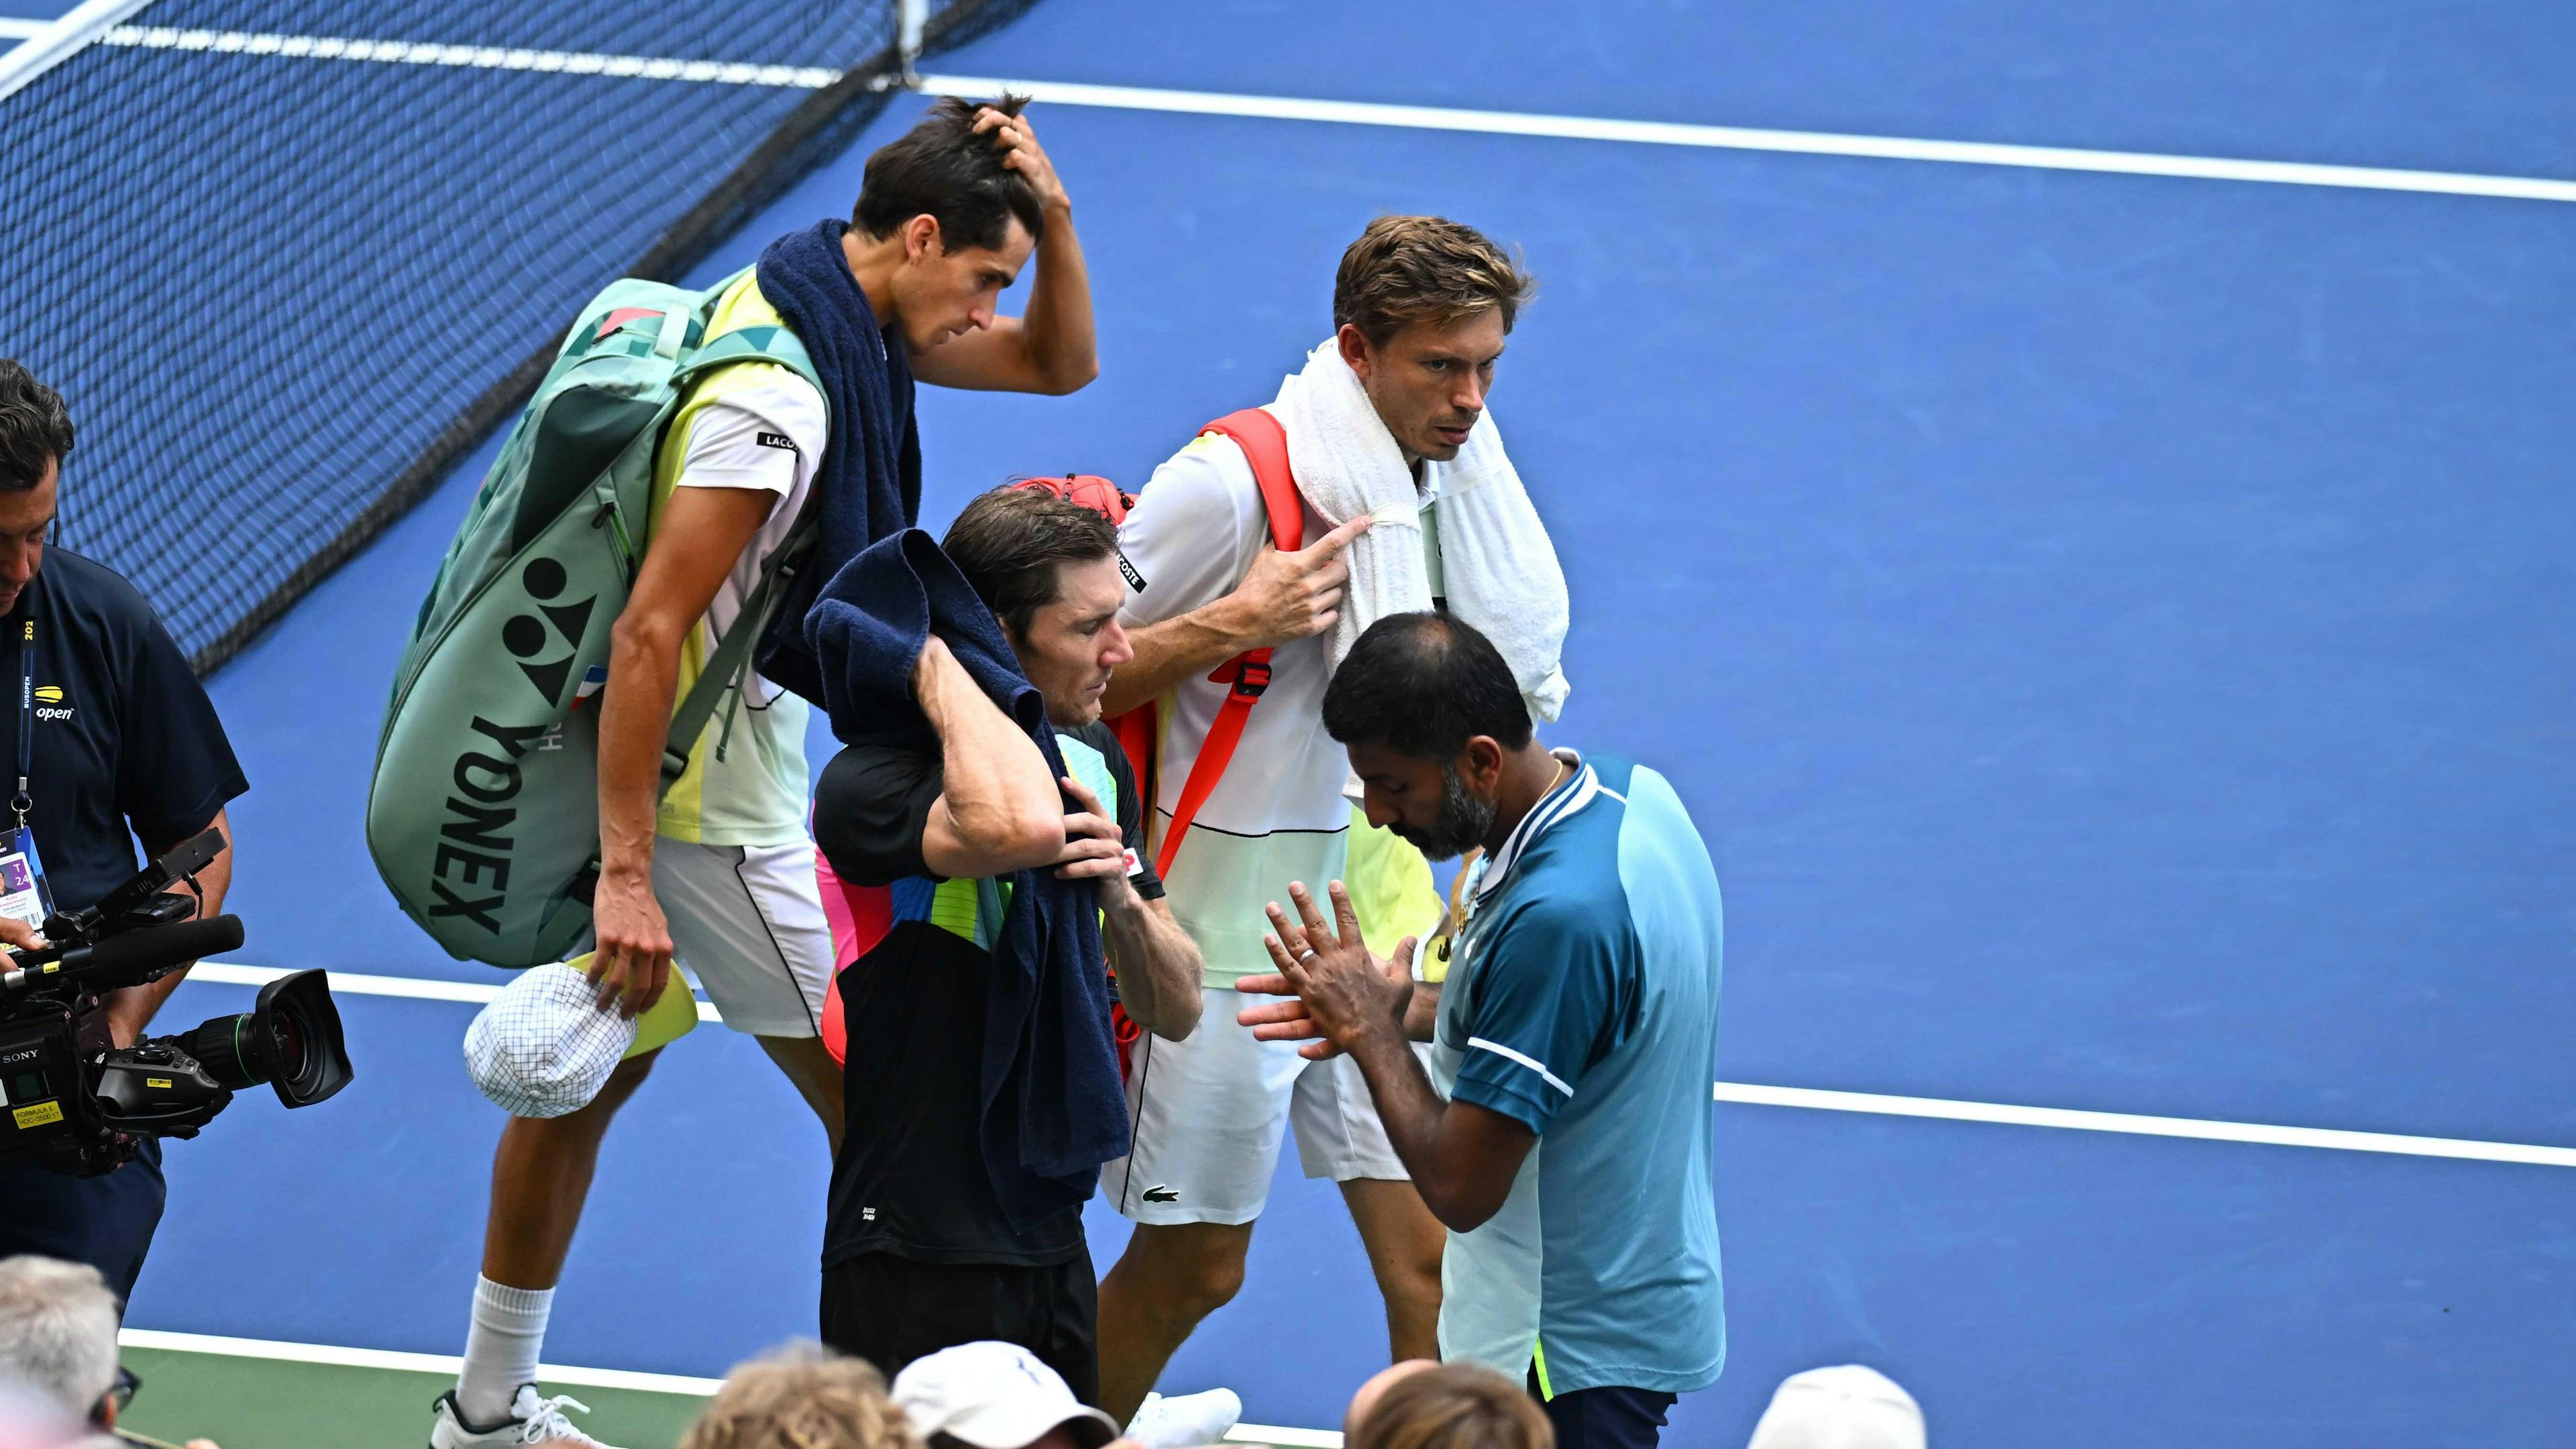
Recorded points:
(482,815)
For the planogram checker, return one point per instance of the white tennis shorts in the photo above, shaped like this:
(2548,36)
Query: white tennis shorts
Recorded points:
(747,928)
(1206,1114)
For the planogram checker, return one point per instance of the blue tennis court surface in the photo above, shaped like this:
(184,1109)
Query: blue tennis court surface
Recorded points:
(2112,630)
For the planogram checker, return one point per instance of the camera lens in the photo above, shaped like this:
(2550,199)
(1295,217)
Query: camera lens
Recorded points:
(293,1040)
(286,1039)
(289,1032)
(224,1047)
(306,1056)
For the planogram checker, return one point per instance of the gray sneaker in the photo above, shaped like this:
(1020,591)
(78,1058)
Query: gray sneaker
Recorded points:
(532,1420)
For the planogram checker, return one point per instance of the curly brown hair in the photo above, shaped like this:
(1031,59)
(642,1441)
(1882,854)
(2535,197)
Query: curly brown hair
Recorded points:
(803,1396)
(1407,269)
(35,431)
(1455,1406)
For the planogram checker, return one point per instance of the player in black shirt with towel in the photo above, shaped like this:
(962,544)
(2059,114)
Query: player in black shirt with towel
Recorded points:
(919,1253)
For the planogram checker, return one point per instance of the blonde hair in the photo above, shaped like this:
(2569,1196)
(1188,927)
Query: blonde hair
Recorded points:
(802,1396)
(1454,1406)
(1407,269)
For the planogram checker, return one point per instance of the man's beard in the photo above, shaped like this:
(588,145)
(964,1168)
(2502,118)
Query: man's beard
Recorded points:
(1464,821)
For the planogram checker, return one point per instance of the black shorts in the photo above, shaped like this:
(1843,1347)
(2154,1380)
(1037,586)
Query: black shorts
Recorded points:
(1606,1418)
(891,1310)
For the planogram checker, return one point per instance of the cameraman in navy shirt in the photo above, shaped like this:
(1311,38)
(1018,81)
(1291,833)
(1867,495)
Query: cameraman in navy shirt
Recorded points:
(117,742)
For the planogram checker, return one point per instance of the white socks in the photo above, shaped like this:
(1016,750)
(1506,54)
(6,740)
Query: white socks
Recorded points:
(501,1347)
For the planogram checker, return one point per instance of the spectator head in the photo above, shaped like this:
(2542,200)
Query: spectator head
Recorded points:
(1447,1406)
(966,222)
(802,1396)
(35,437)
(1428,710)
(1048,569)
(1375,1388)
(996,1396)
(1421,306)
(1849,1407)
(58,1335)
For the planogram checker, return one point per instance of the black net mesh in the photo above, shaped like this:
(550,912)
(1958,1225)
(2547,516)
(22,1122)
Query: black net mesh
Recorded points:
(286,260)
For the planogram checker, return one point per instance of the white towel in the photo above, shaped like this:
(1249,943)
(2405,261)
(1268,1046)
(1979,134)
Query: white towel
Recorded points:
(1499,571)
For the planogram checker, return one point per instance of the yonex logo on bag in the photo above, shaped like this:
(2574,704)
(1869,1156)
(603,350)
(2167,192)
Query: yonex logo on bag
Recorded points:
(472,850)
(524,635)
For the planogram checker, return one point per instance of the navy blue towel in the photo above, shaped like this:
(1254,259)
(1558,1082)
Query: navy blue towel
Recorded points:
(1053,1109)
(868,483)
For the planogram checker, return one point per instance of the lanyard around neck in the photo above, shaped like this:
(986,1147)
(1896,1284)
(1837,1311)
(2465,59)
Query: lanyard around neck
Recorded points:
(23,802)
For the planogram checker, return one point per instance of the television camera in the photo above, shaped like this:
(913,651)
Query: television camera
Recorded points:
(78,1103)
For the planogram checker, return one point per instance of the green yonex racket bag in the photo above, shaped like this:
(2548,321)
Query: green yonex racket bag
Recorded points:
(483,812)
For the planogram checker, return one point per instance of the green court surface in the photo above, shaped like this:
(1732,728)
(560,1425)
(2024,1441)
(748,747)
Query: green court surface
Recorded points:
(261,1403)
(252,1394)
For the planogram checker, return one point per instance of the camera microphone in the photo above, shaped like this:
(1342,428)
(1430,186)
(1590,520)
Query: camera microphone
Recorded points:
(139,956)
(133,957)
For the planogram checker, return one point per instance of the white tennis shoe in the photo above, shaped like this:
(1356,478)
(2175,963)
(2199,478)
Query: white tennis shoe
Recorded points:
(532,1420)
(1186,1421)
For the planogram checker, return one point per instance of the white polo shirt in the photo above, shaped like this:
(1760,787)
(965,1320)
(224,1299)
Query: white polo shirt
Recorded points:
(1279,813)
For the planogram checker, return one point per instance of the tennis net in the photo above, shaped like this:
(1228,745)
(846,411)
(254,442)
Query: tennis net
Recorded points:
(288,260)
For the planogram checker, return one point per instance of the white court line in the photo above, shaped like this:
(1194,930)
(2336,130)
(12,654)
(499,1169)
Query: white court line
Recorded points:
(1739,138)
(2208,1131)
(51,42)
(445,1365)
(1742,1093)
(474,57)
(16,69)
(422,1363)
(233,973)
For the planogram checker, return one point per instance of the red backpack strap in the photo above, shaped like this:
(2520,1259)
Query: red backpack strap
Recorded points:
(1265,445)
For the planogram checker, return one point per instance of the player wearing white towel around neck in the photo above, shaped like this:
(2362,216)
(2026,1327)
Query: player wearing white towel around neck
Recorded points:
(1421,309)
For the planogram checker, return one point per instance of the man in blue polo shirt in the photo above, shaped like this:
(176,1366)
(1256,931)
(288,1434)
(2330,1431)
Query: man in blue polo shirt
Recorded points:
(1575,1038)
(118,745)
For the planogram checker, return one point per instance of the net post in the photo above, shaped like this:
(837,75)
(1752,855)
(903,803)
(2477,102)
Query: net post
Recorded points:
(912,17)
